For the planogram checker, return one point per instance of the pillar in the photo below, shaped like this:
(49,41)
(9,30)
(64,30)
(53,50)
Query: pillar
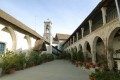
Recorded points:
(13,36)
(27,37)
(73,39)
(110,58)
(90,25)
(70,41)
(93,57)
(82,30)
(118,9)
(77,36)
(103,9)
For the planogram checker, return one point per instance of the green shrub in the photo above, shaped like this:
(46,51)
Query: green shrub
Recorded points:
(50,57)
(43,57)
(74,56)
(7,61)
(62,56)
(33,58)
(106,75)
(80,56)
(20,61)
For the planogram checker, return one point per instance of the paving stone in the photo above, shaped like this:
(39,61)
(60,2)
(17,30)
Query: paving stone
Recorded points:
(55,70)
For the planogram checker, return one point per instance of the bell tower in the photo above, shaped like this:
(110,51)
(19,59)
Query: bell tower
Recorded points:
(47,34)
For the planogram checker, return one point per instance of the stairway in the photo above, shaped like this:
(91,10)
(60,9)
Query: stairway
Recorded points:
(56,51)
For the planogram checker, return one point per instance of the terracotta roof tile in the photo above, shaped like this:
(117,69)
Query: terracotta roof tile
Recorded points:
(62,36)
(39,45)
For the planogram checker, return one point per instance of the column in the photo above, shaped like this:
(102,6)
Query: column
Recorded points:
(70,41)
(110,58)
(84,54)
(73,39)
(93,57)
(27,37)
(103,9)
(77,36)
(118,9)
(82,30)
(67,43)
(90,25)
(13,36)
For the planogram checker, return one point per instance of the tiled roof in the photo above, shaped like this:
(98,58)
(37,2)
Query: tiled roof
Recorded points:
(40,45)
(62,36)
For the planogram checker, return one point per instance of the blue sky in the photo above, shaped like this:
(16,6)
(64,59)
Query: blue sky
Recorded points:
(66,15)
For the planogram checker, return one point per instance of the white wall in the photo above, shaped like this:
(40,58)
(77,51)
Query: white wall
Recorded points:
(60,44)
(5,37)
(22,43)
(32,42)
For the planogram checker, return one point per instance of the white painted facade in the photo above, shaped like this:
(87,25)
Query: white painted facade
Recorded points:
(60,43)
(22,43)
(5,37)
(15,36)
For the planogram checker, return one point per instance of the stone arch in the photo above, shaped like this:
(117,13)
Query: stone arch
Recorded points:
(13,36)
(113,47)
(87,51)
(27,37)
(98,50)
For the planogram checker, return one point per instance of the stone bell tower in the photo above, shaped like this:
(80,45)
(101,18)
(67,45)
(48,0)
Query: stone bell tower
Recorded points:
(47,34)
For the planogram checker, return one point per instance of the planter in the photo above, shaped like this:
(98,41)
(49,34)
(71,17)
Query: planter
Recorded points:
(12,70)
(0,71)
(91,78)
(92,66)
(94,79)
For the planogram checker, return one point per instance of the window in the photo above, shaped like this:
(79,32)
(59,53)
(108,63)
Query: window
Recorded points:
(2,47)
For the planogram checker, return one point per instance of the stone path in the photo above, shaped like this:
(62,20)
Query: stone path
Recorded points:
(55,70)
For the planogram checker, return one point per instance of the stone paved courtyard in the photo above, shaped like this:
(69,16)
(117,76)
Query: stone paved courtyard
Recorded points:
(55,70)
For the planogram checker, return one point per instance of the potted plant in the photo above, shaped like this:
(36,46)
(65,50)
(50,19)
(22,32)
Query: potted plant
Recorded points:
(0,69)
(7,62)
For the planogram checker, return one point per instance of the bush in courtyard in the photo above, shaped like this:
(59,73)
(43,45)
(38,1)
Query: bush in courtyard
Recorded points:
(50,57)
(80,56)
(62,56)
(20,61)
(106,75)
(7,61)
(74,56)
(43,57)
(33,58)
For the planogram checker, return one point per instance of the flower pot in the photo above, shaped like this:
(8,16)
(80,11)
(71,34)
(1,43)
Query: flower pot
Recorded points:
(12,70)
(0,71)
(94,79)
(91,78)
